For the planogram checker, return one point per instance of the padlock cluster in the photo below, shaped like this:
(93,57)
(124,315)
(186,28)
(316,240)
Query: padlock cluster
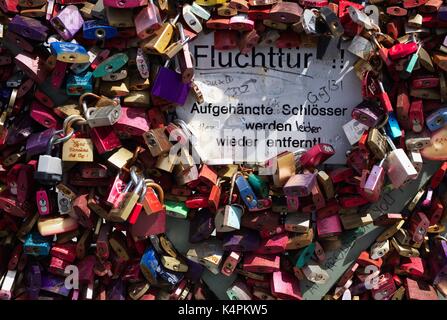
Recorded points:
(89,90)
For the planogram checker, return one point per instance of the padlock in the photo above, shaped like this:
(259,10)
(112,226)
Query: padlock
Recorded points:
(67,22)
(133,122)
(157,141)
(110,65)
(317,155)
(78,84)
(51,226)
(375,181)
(49,170)
(104,139)
(98,30)
(230,263)
(377,143)
(123,210)
(147,21)
(82,212)
(28,27)
(300,184)
(297,222)
(419,224)
(329,226)
(228,219)
(419,290)
(285,286)
(168,85)
(106,115)
(44,202)
(399,168)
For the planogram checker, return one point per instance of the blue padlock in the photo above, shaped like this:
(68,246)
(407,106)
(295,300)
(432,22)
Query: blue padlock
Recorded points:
(169,276)
(437,119)
(78,84)
(246,192)
(98,30)
(149,265)
(36,245)
(392,127)
(69,52)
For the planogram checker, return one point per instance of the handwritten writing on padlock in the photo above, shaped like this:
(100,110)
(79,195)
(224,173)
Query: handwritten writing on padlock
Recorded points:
(78,149)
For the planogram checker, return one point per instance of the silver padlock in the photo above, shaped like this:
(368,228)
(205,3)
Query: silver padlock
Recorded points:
(379,249)
(103,116)
(49,168)
(309,21)
(228,219)
(373,13)
(314,273)
(360,18)
(416,159)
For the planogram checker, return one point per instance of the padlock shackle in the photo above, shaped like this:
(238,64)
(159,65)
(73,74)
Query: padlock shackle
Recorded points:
(157,187)
(233,181)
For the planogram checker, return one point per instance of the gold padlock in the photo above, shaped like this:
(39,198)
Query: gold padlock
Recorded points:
(161,39)
(78,150)
(117,242)
(377,143)
(138,99)
(120,158)
(115,88)
(173,264)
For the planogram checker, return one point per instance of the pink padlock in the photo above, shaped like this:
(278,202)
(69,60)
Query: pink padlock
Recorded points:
(58,75)
(116,190)
(274,245)
(32,65)
(147,21)
(261,263)
(43,98)
(285,286)
(329,226)
(241,22)
(386,287)
(133,122)
(43,115)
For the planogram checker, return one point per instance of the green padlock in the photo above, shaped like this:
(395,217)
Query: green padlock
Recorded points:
(305,255)
(258,185)
(176,209)
(110,65)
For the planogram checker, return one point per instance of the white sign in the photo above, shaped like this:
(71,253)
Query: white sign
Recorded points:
(271,100)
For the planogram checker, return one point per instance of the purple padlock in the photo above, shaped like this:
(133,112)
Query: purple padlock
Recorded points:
(201,226)
(242,241)
(195,271)
(33,281)
(117,291)
(38,142)
(86,269)
(168,86)
(54,284)
(67,22)
(442,13)
(21,131)
(28,27)
(358,289)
